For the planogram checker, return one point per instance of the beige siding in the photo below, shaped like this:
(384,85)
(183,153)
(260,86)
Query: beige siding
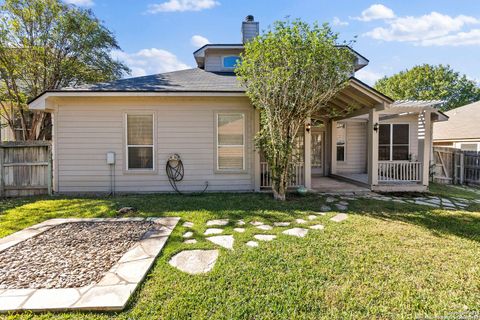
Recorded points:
(88,128)
(356,154)
(213,59)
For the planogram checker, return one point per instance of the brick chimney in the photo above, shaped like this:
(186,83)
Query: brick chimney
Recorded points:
(250,29)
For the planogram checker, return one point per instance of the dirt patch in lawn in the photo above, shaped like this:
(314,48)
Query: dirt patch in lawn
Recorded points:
(69,255)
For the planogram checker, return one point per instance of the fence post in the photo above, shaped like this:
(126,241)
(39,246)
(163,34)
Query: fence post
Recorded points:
(2,173)
(49,169)
(462,166)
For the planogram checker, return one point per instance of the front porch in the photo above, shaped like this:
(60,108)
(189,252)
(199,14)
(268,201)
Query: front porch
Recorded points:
(376,144)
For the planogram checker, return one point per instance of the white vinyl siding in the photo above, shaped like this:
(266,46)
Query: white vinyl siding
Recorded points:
(356,148)
(230,141)
(89,128)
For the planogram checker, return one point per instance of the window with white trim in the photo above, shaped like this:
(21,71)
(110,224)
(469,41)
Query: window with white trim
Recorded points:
(394,142)
(230,141)
(231,62)
(140,142)
(341,141)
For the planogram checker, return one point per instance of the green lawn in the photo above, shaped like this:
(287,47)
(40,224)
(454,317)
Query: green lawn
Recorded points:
(387,260)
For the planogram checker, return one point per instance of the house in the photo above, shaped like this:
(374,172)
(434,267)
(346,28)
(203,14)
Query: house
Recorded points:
(462,131)
(119,135)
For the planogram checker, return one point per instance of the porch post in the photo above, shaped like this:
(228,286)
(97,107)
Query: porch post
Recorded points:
(333,146)
(256,153)
(307,156)
(427,144)
(372,147)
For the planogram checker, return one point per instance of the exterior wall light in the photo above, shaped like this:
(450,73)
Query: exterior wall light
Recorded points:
(375,127)
(308,126)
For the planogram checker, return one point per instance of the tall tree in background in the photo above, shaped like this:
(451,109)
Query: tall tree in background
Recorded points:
(46,45)
(291,72)
(427,82)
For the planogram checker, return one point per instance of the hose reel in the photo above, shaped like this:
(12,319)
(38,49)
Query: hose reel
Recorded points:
(176,172)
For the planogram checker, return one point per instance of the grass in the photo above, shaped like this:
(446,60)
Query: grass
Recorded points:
(387,260)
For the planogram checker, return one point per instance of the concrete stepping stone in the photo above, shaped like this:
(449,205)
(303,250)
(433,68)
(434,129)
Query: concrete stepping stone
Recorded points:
(252,244)
(320,213)
(330,199)
(339,217)
(300,221)
(325,208)
(312,217)
(264,237)
(223,241)
(188,234)
(265,227)
(241,230)
(241,223)
(317,227)
(217,222)
(256,223)
(343,203)
(190,241)
(194,261)
(341,207)
(213,231)
(188,224)
(281,224)
(297,232)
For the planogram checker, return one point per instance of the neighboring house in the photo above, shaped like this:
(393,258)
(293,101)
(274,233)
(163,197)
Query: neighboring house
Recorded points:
(203,115)
(462,131)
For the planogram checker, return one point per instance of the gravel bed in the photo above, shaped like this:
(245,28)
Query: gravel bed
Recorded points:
(69,255)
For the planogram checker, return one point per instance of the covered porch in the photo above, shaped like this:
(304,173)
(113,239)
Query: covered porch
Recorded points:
(374,143)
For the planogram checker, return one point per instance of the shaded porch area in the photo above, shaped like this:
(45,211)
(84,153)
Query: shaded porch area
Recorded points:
(336,185)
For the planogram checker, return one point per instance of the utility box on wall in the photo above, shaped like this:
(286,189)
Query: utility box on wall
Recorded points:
(111,157)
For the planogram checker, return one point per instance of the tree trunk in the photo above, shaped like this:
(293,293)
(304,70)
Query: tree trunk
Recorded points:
(279,186)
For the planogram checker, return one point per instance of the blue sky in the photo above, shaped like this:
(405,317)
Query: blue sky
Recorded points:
(160,35)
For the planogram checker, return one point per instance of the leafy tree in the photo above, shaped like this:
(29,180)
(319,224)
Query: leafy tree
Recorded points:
(290,72)
(428,82)
(46,45)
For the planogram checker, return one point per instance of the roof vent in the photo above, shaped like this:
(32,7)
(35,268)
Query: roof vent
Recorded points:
(250,28)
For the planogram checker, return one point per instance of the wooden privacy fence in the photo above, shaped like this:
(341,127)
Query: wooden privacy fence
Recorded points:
(454,166)
(25,168)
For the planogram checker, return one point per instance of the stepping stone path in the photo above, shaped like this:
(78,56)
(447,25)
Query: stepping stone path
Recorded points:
(241,223)
(300,221)
(190,241)
(325,208)
(281,224)
(188,234)
(213,231)
(317,227)
(297,232)
(341,207)
(339,217)
(241,230)
(218,222)
(312,217)
(188,224)
(256,223)
(264,237)
(194,261)
(252,244)
(223,241)
(265,227)
(330,199)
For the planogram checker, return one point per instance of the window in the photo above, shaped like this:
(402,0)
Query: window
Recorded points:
(468,146)
(230,61)
(230,141)
(393,142)
(341,141)
(140,150)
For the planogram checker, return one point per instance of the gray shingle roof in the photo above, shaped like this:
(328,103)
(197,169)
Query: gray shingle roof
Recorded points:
(190,80)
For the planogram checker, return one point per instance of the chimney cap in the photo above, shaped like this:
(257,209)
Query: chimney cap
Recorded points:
(249,18)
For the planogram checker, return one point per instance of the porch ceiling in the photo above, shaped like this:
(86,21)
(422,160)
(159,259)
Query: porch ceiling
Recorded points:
(357,96)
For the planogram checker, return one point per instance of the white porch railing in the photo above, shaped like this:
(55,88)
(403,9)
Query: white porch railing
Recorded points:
(297,178)
(399,171)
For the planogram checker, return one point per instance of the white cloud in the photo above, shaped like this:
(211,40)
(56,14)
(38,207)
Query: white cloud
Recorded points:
(369,77)
(422,29)
(80,3)
(199,41)
(376,12)
(182,5)
(339,23)
(469,38)
(150,61)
